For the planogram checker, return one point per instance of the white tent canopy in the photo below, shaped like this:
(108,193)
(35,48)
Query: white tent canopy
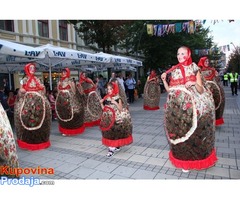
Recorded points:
(58,57)
(14,56)
(19,50)
(121,63)
(116,60)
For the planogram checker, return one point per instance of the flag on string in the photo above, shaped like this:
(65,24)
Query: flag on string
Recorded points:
(171,28)
(149,29)
(178,27)
(191,27)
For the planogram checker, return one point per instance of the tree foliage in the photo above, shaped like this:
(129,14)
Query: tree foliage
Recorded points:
(160,52)
(234,60)
(105,33)
(131,35)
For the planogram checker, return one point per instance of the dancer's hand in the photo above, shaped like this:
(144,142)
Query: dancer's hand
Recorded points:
(163,76)
(189,84)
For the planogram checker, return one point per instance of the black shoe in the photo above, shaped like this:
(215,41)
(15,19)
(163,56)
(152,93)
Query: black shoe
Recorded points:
(110,153)
(117,149)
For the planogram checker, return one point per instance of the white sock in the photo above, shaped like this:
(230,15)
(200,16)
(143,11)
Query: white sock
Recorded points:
(111,148)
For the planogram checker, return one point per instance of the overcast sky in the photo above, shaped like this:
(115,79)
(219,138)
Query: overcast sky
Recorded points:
(225,32)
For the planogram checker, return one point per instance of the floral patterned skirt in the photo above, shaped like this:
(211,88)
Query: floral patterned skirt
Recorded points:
(8,152)
(32,118)
(116,127)
(70,113)
(92,109)
(219,99)
(190,128)
(151,96)
(123,96)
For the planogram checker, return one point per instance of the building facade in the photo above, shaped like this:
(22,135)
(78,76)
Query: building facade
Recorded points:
(40,32)
(37,33)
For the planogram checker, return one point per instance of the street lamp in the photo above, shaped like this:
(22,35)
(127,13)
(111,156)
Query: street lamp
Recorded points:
(237,53)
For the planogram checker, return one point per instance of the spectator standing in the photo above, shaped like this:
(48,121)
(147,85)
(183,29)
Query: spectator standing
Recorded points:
(130,82)
(101,85)
(6,86)
(233,77)
(52,101)
(11,101)
(225,79)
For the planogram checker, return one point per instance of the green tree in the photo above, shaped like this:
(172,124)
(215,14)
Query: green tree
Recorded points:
(215,57)
(105,33)
(160,52)
(131,35)
(234,60)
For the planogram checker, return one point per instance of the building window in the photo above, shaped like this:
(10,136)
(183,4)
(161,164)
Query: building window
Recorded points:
(7,25)
(43,29)
(63,32)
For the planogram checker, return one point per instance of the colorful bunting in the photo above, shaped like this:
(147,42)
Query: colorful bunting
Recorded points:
(189,27)
(204,52)
(164,29)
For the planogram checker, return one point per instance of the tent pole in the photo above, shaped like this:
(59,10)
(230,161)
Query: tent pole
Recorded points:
(50,73)
(10,80)
(50,77)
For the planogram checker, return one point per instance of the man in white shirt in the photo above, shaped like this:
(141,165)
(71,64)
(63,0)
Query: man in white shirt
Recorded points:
(113,76)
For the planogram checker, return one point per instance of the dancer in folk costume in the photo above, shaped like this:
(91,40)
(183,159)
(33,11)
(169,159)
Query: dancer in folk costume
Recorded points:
(69,106)
(189,116)
(152,92)
(32,113)
(116,124)
(214,84)
(122,93)
(8,151)
(92,106)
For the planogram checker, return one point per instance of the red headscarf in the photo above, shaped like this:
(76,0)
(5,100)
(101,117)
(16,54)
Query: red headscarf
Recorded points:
(83,78)
(114,92)
(202,61)
(153,74)
(187,61)
(67,74)
(206,67)
(31,79)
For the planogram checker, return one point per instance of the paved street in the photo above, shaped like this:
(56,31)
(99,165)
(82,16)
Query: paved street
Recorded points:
(83,156)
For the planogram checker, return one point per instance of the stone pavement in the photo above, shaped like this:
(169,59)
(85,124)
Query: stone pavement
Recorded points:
(83,156)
